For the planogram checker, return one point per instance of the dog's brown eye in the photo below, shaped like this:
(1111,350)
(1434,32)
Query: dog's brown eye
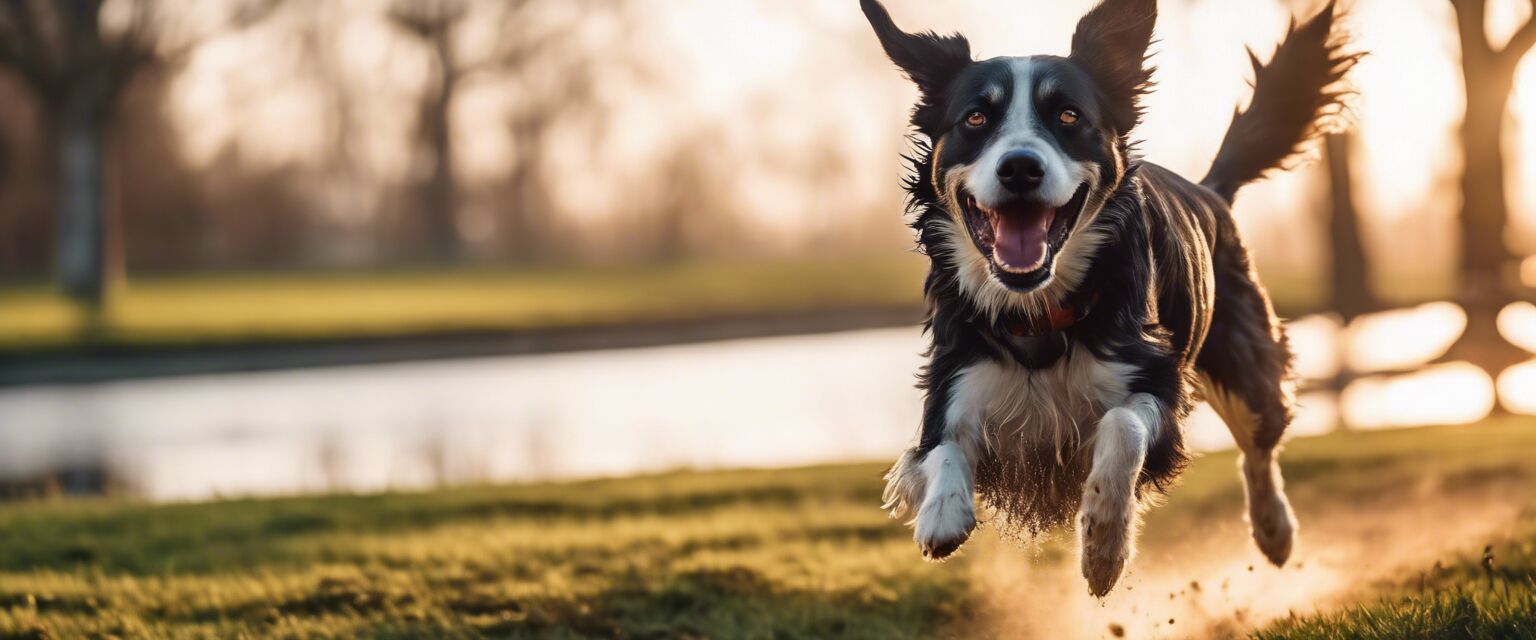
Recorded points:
(975,119)
(1069,116)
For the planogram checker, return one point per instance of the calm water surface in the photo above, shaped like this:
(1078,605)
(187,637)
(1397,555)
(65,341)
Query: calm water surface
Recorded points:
(745,403)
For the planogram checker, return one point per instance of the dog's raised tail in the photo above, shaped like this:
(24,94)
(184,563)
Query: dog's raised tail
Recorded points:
(1294,95)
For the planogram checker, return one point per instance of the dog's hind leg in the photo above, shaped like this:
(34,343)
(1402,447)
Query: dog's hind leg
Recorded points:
(1269,512)
(1244,371)
(937,477)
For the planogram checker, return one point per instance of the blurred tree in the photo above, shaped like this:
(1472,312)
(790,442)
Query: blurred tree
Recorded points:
(75,60)
(5,157)
(5,163)
(350,187)
(699,183)
(435,23)
(155,206)
(527,39)
(1351,295)
(257,215)
(25,230)
(526,203)
(1487,265)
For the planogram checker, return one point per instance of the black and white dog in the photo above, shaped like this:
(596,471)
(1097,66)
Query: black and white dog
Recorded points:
(1082,299)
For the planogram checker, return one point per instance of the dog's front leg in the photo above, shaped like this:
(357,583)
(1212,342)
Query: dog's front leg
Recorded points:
(936,478)
(1107,519)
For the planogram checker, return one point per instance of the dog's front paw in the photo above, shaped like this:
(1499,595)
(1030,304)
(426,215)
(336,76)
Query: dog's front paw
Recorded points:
(943,524)
(1105,527)
(1274,526)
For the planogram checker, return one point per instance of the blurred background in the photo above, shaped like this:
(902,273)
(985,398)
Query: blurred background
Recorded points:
(255,247)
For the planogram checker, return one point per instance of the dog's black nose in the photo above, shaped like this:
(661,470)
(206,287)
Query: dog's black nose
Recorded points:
(1021,171)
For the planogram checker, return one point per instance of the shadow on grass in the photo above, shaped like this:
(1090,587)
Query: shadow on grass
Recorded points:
(725,602)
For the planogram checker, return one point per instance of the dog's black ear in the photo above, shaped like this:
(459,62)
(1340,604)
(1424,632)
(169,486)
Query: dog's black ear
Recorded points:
(929,59)
(1111,42)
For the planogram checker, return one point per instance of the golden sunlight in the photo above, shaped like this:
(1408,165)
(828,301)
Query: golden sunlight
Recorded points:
(1453,393)
(1517,323)
(1412,62)
(1315,342)
(1517,388)
(1403,338)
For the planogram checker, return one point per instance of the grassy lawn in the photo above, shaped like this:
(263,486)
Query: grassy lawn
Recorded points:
(246,308)
(311,306)
(1484,594)
(799,553)
(802,553)
(1489,595)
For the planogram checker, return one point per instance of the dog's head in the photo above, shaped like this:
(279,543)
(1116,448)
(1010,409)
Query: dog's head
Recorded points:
(1025,151)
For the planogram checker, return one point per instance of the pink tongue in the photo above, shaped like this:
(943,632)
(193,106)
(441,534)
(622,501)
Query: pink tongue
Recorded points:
(1021,238)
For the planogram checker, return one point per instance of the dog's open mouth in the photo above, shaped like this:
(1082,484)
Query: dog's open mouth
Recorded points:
(1022,237)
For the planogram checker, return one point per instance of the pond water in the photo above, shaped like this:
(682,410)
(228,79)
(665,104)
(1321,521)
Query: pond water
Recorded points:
(745,403)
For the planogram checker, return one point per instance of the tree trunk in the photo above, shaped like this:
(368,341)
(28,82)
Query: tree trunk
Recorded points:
(1484,256)
(79,145)
(440,192)
(1352,295)
(523,237)
(1485,259)
(77,139)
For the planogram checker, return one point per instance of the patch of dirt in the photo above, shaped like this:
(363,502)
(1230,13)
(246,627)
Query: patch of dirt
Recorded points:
(1214,583)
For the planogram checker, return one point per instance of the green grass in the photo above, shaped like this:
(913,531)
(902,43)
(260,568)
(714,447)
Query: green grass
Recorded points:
(303,306)
(317,306)
(1483,595)
(797,553)
(800,553)
(1462,597)
(1490,595)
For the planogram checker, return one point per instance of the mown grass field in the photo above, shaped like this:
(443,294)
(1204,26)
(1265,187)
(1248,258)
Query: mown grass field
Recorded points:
(1484,596)
(245,308)
(798,553)
(1485,590)
(311,306)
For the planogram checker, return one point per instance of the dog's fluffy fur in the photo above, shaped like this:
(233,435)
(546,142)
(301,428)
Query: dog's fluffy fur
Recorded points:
(1031,202)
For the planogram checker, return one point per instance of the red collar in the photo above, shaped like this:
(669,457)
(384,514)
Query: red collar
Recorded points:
(1055,319)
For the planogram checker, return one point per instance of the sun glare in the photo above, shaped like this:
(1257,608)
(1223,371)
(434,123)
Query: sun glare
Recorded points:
(1517,323)
(1315,342)
(1517,388)
(1410,64)
(1453,393)
(1403,338)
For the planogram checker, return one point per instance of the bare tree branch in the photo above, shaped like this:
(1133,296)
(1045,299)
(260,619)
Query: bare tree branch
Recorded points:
(1520,43)
(511,56)
(21,46)
(427,20)
(245,15)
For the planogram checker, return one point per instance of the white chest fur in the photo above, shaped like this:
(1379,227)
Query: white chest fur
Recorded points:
(1006,405)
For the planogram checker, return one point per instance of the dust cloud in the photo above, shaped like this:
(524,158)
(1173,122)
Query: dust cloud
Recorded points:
(1209,581)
